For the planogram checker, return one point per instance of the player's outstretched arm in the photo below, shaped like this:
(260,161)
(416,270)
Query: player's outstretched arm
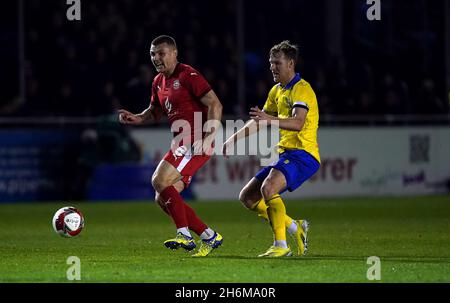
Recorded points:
(126,117)
(248,129)
(295,122)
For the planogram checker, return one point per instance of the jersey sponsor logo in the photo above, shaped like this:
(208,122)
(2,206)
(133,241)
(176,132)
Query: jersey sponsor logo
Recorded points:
(168,105)
(176,84)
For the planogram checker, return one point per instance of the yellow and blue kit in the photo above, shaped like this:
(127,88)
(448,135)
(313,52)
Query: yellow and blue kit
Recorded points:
(299,151)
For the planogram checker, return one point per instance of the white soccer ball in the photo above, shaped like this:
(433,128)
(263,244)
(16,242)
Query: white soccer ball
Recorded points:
(68,221)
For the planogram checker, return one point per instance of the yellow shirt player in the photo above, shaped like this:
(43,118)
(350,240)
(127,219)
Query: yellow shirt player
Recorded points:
(292,105)
(280,103)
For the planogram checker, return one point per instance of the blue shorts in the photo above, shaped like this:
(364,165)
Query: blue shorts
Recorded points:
(297,166)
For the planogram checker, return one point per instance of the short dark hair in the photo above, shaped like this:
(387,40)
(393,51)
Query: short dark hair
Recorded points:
(291,51)
(165,39)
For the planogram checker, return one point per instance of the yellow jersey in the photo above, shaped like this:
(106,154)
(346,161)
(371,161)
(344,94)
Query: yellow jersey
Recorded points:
(280,103)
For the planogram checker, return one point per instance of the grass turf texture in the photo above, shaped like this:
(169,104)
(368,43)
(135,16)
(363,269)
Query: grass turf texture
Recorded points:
(123,242)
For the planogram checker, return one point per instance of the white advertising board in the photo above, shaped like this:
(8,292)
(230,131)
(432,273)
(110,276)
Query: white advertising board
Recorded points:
(355,162)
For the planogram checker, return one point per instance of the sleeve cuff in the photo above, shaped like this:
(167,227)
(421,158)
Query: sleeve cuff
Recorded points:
(301,105)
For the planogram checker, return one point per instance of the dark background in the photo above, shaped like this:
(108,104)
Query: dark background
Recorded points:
(92,67)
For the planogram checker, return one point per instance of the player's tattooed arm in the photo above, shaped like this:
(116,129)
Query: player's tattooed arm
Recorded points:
(152,113)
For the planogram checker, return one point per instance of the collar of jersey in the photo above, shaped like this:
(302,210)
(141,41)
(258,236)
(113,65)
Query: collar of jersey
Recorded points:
(174,71)
(292,82)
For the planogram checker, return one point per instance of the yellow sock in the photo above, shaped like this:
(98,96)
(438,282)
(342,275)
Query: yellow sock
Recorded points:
(261,208)
(277,214)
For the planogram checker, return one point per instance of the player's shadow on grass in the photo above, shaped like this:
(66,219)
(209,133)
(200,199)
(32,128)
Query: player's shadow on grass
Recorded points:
(308,258)
(235,257)
(406,259)
(291,258)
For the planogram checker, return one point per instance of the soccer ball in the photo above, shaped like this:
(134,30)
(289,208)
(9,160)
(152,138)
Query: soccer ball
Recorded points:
(68,221)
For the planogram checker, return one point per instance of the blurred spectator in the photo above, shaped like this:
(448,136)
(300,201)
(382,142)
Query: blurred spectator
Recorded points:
(65,101)
(137,96)
(390,101)
(107,143)
(366,104)
(107,102)
(430,103)
(93,65)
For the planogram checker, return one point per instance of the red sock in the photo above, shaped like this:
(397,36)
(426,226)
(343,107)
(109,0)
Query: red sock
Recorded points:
(195,223)
(164,208)
(175,205)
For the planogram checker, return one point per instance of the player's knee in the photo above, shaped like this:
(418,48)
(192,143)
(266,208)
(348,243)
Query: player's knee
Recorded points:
(267,190)
(158,183)
(245,199)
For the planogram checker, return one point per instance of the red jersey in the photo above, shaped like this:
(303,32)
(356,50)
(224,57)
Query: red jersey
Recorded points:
(179,96)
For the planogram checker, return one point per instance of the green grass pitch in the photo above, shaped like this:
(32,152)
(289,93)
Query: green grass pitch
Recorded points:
(122,242)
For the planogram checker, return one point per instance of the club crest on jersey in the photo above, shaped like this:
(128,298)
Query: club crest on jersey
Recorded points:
(176,84)
(168,105)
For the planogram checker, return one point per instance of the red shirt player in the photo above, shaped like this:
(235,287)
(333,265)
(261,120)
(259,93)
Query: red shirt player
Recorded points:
(188,100)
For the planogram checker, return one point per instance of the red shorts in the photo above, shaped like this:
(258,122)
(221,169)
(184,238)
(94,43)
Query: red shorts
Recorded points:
(187,165)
